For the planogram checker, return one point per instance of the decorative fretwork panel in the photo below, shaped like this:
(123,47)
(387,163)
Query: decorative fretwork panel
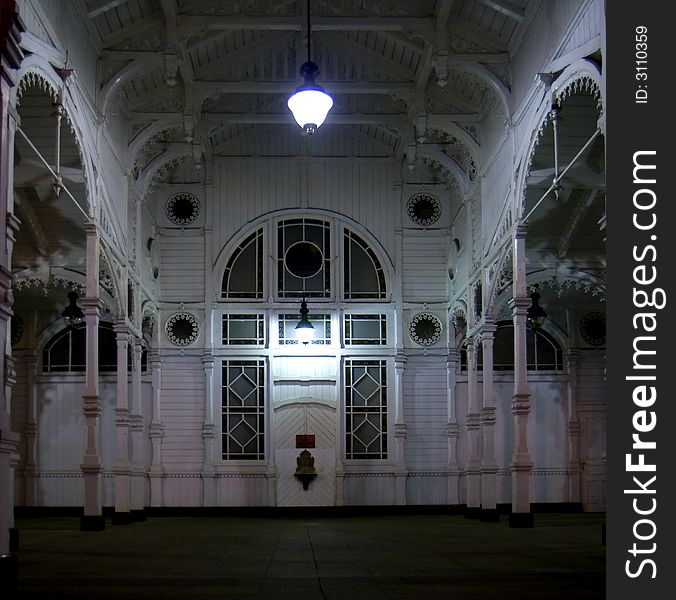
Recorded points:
(365,330)
(365,409)
(243,410)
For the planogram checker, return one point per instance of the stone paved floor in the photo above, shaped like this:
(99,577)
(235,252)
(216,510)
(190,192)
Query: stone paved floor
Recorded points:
(395,557)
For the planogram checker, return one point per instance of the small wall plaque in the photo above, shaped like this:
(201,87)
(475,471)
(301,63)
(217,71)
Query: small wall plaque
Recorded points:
(305,441)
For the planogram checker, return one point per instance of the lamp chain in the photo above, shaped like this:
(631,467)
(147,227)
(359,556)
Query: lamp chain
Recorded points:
(309,39)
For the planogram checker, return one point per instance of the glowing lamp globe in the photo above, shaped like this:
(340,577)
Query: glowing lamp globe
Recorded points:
(310,103)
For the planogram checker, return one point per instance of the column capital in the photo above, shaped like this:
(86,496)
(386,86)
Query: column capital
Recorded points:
(521,404)
(488,415)
(488,326)
(473,420)
(519,303)
(452,430)
(520,231)
(91,229)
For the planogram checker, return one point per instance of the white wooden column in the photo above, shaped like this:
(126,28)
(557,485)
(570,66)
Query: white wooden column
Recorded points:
(155,473)
(452,430)
(473,435)
(574,467)
(31,430)
(10,59)
(122,514)
(92,519)
(208,434)
(399,429)
(521,515)
(136,429)
(489,466)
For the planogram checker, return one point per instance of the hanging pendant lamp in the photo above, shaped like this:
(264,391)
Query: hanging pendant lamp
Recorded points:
(72,314)
(305,330)
(309,103)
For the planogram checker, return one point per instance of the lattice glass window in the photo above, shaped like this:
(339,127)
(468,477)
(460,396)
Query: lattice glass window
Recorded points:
(243,276)
(363,274)
(244,330)
(304,258)
(365,330)
(365,409)
(243,405)
(321,323)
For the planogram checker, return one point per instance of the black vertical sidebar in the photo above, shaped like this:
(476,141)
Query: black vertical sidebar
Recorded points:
(641,252)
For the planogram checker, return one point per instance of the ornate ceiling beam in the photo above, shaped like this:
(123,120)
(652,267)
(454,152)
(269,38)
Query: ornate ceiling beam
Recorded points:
(98,7)
(367,56)
(469,31)
(161,122)
(506,8)
(112,86)
(192,25)
(138,28)
(248,52)
(215,120)
(216,88)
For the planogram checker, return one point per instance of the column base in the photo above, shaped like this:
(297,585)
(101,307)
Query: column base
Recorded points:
(138,516)
(92,523)
(9,572)
(122,518)
(13,539)
(489,515)
(521,520)
(472,512)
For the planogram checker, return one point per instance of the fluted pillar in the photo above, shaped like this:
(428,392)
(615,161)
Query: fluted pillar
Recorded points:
(473,435)
(31,430)
(92,518)
(136,428)
(452,430)
(521,515)
(122,514)
(399,429)
(209,434)
(489,466)
(156,433)
(574,467)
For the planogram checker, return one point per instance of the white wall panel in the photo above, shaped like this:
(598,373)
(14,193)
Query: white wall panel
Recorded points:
(182,266)
(424,273)
(183,411)
(242,490)
(369,489)
(425,414)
